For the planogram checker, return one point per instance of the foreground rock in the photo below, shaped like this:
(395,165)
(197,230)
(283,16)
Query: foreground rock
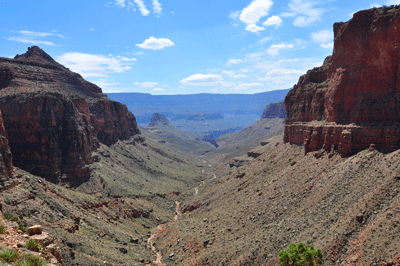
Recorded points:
(54,119)
(352,100)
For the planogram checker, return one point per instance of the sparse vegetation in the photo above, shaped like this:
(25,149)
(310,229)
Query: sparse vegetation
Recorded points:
(32,245)
(301,255)
(8,255)
(2,229)
(31,261)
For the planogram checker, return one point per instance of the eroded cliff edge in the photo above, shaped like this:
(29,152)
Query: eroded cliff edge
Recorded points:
(54,119)
(352,101)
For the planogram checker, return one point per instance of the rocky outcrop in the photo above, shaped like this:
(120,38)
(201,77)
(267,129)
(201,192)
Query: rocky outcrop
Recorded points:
(352,101)
(275,110)
(158,120)
(6,167)
(54,119)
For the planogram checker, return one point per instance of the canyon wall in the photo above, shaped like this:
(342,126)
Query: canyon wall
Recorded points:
(352,101)
(54,119)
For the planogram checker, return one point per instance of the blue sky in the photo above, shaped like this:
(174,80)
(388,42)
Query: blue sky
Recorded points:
(179,47)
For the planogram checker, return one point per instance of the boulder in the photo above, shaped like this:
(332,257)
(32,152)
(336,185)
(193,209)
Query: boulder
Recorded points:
(35,230)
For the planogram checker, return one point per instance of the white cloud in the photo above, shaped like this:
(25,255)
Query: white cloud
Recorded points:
(240,76)
(120,3)
(304,11)
(30,41)
(90,65)
(147,84)
(322,36)
(102,83)
(129,4)
(274,20)
(158,89)
(234,15)
(283,72)
(206,80)
(264,40)
(393,2)
(39,34)
(90,29)
(254,28)
(275,48)
(327,45)
(156,7)
(142,7)
(234,61)
(155,44)
(255,10)
(126,59)
(245,86)
(245,70)
(35,38)
(228,73)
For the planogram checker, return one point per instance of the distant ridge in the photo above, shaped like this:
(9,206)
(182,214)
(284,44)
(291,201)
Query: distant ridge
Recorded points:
(249,106)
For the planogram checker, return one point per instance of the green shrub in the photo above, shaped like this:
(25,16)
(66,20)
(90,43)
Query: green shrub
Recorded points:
(30,260)
(9,255)
(301,255)
(2,229)
(10,217)
(32,245)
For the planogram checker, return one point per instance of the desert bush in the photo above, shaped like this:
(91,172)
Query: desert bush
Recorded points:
(32,245)
(30,260)
(2,229)
(9,255)
(301,255)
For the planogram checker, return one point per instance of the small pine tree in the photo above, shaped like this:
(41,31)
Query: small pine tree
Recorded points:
(301,255)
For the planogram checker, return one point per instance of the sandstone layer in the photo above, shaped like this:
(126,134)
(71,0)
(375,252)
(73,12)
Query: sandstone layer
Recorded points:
(352,101)
(54,119)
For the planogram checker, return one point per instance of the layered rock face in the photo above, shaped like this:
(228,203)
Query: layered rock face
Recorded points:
(54,119)
(275,110)
(352,101)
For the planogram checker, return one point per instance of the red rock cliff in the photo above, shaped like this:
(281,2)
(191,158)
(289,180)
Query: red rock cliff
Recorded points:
(6,167)
(353,100)
(54,119)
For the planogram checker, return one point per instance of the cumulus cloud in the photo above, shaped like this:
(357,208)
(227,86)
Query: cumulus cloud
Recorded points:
(327,45)
(245,86)
(90,65)
(324,37)
(206,80)
(156,7)
(240,76)
(273,21)
(275,48)
(255,10)
(202,80)
(254,28)
(155,44)
(228,73)
(103,83)
(158,89)
(304,11)
(120,3)
(234,61)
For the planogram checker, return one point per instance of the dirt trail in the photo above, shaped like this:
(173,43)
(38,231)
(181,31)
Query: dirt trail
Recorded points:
(153,248)
(178,211)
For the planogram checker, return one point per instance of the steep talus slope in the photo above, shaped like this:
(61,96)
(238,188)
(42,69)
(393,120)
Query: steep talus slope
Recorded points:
(54,119)
(352,101)
(350,208)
